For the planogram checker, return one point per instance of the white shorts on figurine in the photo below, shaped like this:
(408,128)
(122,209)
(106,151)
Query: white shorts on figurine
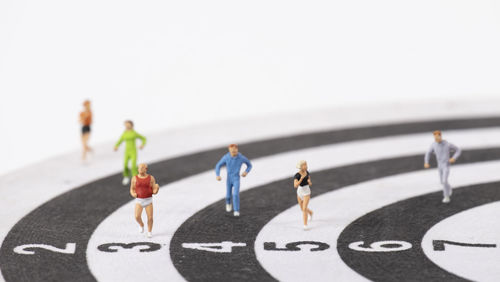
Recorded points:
(144,202)
(303,191)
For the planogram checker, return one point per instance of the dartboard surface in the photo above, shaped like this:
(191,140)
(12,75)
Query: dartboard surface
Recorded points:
(378,214)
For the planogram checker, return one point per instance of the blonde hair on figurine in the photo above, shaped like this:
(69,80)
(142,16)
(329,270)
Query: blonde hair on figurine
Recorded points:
(300,163)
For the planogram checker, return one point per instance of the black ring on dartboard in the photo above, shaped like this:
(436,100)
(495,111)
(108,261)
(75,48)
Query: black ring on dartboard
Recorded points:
(261,204)
(73,216)
(408,221)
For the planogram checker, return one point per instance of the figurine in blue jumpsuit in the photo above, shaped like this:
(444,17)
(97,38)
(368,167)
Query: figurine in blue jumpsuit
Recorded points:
(233,161)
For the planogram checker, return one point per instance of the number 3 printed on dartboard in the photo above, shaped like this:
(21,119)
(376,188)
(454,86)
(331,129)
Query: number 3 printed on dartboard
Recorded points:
(29,249)
(141,246)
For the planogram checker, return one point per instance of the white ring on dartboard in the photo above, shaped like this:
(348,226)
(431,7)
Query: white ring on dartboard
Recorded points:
(341,207)
(469,245)
(168,205)
(75,265)
(192,230)
(411,227)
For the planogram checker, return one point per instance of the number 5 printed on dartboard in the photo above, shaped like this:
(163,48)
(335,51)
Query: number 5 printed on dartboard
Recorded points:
(227,246)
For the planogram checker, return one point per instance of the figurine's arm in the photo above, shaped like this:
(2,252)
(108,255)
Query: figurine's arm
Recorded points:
(247,162)
(428,156)
(143,139)
(297,181)
(309,181)
(132,188)
(221,163)
(154,185)
(118,143)
(457,150)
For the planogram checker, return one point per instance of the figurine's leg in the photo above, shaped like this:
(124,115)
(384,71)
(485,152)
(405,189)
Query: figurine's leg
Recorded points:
(149,212)
(229,188)
(446,185)
(138,213)
(133,158)
(126,171)
(305,210)
(299,200)
(443,176)
(86,148)
(236,195)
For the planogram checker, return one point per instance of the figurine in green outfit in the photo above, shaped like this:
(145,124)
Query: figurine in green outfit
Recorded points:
(129,136)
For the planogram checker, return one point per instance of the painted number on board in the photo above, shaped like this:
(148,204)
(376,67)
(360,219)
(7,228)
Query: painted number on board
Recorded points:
(141,246)
(227,247)
(439,245)
(381,246)
(224,247)
(28,249)
(295,246)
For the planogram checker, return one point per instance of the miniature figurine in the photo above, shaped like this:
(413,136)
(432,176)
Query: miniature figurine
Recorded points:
(302,182)
(129,136)
(86,121)
(442,148)
(233,160)
(142,188)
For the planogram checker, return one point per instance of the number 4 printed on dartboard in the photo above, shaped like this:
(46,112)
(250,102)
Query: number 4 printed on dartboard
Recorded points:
(223,247)
(227,247)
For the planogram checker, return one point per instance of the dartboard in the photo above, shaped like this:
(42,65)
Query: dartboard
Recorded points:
(378,212)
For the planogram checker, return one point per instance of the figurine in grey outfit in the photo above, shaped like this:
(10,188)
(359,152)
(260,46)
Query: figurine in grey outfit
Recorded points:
(442,149)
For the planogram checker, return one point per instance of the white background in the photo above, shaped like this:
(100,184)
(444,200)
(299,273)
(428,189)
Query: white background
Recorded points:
(170,64)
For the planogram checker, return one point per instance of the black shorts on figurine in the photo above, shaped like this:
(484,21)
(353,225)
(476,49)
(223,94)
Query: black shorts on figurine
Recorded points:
(85,129)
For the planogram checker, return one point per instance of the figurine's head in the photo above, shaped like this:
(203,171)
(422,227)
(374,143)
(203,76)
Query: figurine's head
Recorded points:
(86,104)
(437,136)
(302,165)
(233,150)
(142,168)
(129,124)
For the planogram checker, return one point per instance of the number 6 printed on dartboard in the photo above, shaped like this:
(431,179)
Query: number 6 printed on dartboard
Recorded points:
(381,246)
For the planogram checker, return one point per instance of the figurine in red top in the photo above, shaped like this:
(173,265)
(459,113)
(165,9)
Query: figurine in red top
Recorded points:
(142,188)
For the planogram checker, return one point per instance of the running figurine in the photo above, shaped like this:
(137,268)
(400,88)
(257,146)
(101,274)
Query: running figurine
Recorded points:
(129,136)
(86,121)
(302,182)
(142,188)
(442,148)
(233,162)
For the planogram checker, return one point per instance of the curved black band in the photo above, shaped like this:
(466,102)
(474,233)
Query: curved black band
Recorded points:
(408,220)
(74,215)
(261,204)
